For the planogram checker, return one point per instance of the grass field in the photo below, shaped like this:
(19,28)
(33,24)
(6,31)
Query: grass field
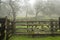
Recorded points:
(35,38)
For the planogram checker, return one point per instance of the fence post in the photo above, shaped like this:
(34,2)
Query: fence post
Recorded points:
(52,29)
(59,23)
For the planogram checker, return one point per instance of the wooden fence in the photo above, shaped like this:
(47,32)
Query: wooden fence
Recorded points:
(7,29)
(53,25)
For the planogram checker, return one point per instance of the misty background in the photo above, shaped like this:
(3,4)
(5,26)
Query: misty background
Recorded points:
(30,9)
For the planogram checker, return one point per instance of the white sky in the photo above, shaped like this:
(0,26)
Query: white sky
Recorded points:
(32,2)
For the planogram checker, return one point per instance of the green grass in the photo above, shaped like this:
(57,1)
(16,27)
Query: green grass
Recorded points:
(36,38)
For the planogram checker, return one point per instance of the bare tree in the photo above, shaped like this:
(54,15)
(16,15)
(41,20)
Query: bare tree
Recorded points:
(49,9)
(14,8)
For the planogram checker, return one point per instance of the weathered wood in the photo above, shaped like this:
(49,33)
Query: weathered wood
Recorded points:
(34,25)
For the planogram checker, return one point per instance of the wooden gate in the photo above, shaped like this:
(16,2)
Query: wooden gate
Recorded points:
(50,27)
(6,29)
(2,28)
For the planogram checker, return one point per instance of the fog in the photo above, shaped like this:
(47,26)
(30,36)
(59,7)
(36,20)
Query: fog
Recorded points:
(30,9)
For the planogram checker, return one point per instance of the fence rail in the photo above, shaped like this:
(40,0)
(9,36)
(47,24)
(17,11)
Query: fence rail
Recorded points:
(52,25)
